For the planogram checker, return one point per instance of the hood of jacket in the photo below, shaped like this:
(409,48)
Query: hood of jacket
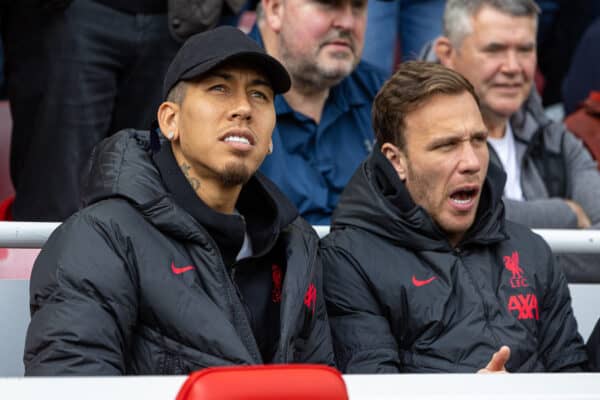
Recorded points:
(121,166)
(377,201)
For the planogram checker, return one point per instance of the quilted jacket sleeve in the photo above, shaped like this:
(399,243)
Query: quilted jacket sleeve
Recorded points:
(593,348)
(83,303)
(362,338)
(559,342)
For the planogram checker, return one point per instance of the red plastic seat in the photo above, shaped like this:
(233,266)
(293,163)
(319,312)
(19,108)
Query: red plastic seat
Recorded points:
(6,209)
(265,382)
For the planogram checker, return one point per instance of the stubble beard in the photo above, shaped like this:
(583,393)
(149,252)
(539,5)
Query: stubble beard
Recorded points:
(309,75)
(234,174)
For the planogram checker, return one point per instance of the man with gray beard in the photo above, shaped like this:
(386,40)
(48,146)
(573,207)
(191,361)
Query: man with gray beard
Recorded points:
(324,122)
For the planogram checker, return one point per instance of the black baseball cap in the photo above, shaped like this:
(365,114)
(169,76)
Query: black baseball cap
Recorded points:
(207,50)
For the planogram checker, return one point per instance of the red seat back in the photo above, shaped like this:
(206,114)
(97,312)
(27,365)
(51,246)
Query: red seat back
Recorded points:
(265,382)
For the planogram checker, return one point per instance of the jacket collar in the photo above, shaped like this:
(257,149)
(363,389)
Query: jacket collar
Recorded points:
(123,166)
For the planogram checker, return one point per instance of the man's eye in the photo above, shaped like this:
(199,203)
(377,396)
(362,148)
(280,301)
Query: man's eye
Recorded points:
(217,88)
(259,95)
(445,146)
(359,4)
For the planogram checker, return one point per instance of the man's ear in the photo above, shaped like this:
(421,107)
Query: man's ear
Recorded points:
(168,119)
(273,13)
(444,51)
(396,157)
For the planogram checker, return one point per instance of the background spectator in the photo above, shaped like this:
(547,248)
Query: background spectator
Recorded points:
(561,26)
(584,72)
(403,26)
(324,122)
(78,71)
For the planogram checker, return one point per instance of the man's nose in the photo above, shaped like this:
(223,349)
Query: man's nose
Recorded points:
(470,161)
(345,16)
(240,107)
(511,63)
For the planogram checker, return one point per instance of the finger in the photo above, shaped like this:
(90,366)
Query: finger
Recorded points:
(499,359)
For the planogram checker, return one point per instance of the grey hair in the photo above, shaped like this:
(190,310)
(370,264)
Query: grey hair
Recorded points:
(458,13)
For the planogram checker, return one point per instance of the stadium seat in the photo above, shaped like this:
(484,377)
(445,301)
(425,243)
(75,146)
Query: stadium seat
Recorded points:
(265,382)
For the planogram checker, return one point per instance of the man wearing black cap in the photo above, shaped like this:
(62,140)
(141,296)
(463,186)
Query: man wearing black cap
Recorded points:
(185,257)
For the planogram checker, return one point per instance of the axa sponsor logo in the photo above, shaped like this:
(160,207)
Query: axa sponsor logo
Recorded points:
(526,306)
(310,298)
(511,263)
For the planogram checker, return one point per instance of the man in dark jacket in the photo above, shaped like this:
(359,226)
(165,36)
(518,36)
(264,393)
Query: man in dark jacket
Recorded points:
(184,257)
(422,271)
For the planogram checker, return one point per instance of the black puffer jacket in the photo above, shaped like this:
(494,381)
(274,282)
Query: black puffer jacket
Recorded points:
(401,299)
(112,291)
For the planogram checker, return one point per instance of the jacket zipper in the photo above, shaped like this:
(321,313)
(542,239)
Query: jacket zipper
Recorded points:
(285,337)
(458,253)
(247,336)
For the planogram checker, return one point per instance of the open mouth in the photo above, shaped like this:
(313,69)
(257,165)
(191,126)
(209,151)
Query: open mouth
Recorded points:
(464,197)
(239,138)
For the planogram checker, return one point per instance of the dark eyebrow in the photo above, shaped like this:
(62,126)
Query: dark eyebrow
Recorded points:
(219,74)
(443,141)
(455,139)
(261,82)
(495,46)
(227,76)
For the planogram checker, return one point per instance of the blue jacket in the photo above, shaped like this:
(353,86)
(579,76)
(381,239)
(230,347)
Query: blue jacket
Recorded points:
(312,163)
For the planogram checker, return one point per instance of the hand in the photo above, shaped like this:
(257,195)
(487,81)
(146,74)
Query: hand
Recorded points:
(497,363)
(583,220)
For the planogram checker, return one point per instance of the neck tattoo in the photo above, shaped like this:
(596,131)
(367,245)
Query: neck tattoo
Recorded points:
(193,181)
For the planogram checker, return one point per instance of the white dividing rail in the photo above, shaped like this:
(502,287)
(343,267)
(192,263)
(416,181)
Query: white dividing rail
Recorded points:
(35,234)
(25,235)
(565,386)
(560,240)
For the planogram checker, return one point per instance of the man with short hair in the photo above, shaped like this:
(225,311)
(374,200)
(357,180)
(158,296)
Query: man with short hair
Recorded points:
(422,271)
(185,257)
(552,179)
(323,122)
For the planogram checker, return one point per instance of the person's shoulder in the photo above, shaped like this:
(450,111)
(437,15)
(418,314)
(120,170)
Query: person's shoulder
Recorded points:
(353,240)
(531,117)
(105,216)
(306,230)
(100,224)
(523,235)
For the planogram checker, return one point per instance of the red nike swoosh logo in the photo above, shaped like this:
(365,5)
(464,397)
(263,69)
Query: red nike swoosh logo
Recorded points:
(181,270)
(418,282)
